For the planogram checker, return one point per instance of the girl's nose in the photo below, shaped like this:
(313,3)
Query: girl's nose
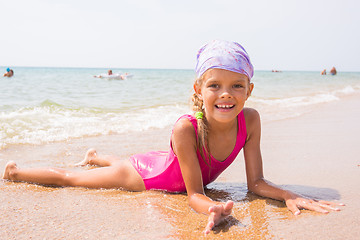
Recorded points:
(225,94)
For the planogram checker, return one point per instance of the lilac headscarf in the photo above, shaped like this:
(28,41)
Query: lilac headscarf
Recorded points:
(224,55)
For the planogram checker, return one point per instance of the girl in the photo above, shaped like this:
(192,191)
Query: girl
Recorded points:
(201,146)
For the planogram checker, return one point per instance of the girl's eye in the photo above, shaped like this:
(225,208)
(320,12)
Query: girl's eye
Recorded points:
(213,86)
(238,86)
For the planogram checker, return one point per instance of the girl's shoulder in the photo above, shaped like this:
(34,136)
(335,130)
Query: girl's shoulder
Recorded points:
(185,125)
(250,113)
(252,119)
(183,136)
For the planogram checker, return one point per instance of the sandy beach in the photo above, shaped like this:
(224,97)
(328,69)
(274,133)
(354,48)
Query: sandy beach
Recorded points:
(315,154)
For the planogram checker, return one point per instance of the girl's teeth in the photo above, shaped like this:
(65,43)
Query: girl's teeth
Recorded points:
(225,106)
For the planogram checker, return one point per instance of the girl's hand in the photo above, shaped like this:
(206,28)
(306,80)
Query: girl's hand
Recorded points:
(296,202)
(217,214)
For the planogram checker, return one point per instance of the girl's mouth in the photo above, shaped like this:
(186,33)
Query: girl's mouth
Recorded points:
(224,106)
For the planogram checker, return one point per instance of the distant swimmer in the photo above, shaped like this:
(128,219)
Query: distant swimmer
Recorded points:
(9,73)
(323,72)
(275,71)
(333,71)
(111,75)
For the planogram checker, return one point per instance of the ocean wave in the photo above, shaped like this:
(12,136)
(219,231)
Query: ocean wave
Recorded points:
(88,107)
(48,103)
(347,90)
(288,107)
(305,100)
(296,101)
(51,123)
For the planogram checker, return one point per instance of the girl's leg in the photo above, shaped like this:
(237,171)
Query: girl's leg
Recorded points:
(92,158)
(120,175)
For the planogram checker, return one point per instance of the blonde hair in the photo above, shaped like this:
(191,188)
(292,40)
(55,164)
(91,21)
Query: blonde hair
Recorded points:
(202,126)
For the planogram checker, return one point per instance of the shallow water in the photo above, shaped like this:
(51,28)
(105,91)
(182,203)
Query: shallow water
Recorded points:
(42,105)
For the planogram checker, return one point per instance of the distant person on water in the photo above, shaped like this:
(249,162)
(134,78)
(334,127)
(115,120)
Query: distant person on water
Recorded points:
(111,75)
(333,71)
(323,72)
(9,73)
(202,145)
(104,75)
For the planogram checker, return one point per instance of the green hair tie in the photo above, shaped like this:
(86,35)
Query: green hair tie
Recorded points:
(199,115)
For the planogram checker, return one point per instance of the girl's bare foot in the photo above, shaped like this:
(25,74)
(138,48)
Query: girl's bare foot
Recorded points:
(9,168)
(90,155)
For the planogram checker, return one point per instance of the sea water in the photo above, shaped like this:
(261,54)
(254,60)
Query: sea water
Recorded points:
(42,105)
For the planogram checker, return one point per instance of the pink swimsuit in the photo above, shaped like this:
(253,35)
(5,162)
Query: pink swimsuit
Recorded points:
(160,170)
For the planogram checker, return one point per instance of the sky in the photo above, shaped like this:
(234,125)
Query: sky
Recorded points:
(307,35)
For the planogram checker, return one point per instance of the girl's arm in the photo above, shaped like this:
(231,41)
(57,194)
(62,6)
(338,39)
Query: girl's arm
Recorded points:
(255,177)
(184,146)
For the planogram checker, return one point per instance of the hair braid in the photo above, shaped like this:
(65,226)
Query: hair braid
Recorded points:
(202,130)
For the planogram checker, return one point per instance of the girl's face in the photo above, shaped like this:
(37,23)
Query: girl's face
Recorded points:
(224,94)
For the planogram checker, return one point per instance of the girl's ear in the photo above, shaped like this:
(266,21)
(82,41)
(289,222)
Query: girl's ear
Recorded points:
(197,90)
(250,89)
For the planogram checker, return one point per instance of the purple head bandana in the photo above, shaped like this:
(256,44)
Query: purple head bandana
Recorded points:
(224,55)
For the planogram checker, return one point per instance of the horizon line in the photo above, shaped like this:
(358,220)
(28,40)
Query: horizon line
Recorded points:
(156,68)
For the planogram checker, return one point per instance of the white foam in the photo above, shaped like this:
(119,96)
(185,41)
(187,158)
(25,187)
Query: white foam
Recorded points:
(47,124)
(346,90)
(276,109)
(297,101)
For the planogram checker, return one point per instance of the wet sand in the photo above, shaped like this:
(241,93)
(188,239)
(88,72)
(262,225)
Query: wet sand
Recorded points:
(315,155)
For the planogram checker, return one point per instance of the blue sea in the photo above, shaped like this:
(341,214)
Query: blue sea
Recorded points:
(39,105)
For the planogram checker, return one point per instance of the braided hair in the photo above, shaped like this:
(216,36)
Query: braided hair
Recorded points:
(202,125)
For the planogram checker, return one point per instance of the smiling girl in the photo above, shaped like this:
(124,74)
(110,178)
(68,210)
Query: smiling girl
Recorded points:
(202,145)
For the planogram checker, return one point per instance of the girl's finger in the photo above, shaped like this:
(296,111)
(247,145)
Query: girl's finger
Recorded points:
(293,208)
(312,206)
(326,206)
(331,203)
(208,227)
(228,207)
(211,209)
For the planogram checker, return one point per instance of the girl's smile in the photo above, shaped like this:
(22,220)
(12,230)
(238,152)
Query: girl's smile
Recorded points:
(224,107)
